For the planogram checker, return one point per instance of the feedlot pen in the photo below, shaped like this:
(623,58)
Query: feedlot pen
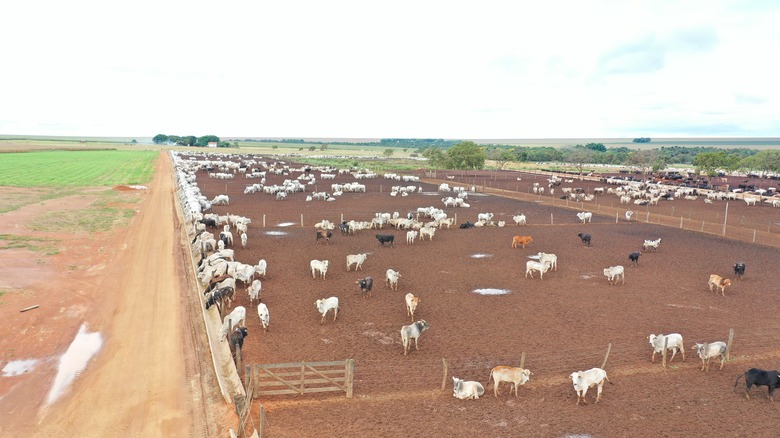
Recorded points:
(563,323)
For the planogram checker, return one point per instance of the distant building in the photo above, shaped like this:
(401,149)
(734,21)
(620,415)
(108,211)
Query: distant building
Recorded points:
(212,144)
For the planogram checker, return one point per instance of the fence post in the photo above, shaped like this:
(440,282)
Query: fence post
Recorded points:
(728,346)
(262,421)
(681,221)
(754,236)
(604,363)
(551,219)
(616,217)
(663,354)
(349,374)
(301,220)
(444,377)
(303,377)
(263,221)
(522,360)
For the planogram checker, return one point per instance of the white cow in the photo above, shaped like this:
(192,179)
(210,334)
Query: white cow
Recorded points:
(674,342)
(629,213)
(265,317)
(357,260)
(487,217)
(651,244)
(324,305)
(319,267)
(260,268)
(514,375)
(585,216)
(254,290)
(410,236)
(391,279)
(427,231)
(235,318)
(549,259)
(412,331)
(531,266)
(613,273)
(466,389)
(582,380)
(519,219)
(707,351)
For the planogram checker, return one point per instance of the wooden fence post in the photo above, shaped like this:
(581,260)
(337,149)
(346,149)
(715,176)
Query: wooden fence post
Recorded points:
(444,377)
(663,354)
(604,362)
(262,421)
(301,220)
(681,221)
(728,346)
(522,360)
(551,219)
(349,374)
(263,221)
(616,217)
(303,377)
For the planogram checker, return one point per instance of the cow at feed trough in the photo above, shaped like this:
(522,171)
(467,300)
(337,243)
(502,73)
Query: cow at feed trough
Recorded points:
(739,270)
(412,331)
(319,267)
(718,282)
(634,258)
(585,238)
(325,305)
(324,235)
(582,380)
(391,279)
(674,342)
(365,285)
(514,375)
(385,238)
(759,377)
(235,318)
(357,260)
(265,317)
(411,304)
(613,273)
(709,350)
(466,389)
(521,241)
(585,216)
(237,340)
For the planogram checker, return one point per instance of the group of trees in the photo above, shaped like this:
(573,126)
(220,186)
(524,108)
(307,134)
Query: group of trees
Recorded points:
(189,140)
(760,161)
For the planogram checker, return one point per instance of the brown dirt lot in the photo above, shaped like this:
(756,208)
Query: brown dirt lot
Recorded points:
(563,323)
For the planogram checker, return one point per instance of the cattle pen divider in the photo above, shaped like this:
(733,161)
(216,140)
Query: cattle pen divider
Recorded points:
(302,377)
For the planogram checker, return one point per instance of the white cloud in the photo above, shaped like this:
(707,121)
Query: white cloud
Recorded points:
(455,69)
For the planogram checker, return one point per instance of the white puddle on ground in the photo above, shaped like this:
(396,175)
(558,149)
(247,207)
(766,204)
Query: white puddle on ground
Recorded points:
(276,233)
(17,367)
(491,291)
(72,363)
(286,224)
(481,256)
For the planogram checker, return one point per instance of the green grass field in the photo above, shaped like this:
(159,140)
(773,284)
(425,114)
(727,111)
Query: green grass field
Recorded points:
(62,169)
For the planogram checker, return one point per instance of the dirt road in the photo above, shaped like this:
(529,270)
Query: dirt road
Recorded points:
(148,379)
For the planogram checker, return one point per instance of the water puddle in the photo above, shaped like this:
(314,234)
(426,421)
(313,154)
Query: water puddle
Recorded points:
(17,367)
(276,233)
(72,363)
(491,291)
(481,256)
(286,224)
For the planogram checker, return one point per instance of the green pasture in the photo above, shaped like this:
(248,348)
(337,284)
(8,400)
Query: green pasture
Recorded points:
(64,169)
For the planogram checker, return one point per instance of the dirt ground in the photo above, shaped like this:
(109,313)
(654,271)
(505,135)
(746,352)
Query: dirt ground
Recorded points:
(151,376)
(563,323)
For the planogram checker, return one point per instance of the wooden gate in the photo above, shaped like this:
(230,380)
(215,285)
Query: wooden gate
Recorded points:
(303,378)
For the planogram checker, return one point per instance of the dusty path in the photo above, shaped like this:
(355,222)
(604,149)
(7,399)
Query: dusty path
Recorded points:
(148,380)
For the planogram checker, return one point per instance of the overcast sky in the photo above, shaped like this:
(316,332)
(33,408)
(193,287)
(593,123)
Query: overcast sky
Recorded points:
(368,69)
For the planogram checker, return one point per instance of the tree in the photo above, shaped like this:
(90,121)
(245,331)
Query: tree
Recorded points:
(710,162)
(598,147)
(189,140)
(206,139)
(173,139)
(768,160)
(466,155)
(134,141)
(324,147)
(312,148)
(436,157)
(388,152)
(579,156)
(643,159)
(501,156)
(160,139)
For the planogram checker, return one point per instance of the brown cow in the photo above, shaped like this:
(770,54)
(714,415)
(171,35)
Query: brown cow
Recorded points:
(521,240)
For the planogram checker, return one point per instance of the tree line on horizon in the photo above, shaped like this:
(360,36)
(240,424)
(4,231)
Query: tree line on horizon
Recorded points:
(189,140)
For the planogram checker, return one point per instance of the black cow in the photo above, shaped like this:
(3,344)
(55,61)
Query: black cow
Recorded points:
(237,340)
(634,257)
(209,222)
(322,234)
(585,238)
(739,270)
(386,238)
(365,285)
(465,225)
(344,227)
(758,377)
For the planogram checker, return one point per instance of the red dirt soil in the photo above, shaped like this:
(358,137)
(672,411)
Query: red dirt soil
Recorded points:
(563,323)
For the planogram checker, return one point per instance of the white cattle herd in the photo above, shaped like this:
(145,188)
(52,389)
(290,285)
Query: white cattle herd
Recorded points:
(218,270)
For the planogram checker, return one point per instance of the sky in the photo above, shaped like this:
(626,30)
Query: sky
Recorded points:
(402,69)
